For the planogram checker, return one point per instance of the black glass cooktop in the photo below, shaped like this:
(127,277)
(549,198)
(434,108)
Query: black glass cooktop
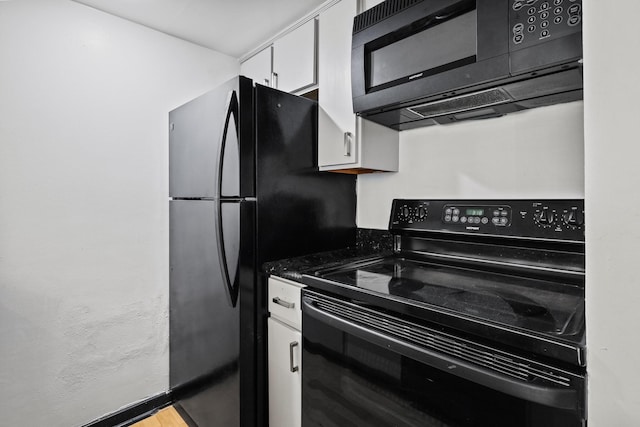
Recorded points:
(535,305)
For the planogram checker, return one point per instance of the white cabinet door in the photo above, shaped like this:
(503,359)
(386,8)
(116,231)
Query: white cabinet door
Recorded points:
(336,123)
(285,375)
(258,67)
(294,58)
(346,143)
(368,4)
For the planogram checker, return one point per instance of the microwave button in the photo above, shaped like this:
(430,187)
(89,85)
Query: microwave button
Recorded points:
(544,34)
(558,20)
(574,9)
(518,28)
(544,15)
(531,19)
(531,11)
(574,20)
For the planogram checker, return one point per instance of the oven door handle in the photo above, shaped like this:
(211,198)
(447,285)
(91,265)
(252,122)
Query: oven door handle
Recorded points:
(561,398)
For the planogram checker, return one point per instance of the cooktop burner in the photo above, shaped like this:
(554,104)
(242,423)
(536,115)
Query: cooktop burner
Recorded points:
(531,304)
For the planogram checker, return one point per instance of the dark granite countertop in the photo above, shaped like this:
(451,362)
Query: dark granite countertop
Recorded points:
(369,243)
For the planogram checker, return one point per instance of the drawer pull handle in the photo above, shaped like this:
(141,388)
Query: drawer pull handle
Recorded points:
(291,346)
(283,303)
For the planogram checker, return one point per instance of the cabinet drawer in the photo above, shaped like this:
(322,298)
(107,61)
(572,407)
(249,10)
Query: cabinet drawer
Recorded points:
(284,301)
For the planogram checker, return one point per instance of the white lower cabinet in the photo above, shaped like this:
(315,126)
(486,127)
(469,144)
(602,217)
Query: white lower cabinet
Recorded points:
(284,353)
(285,376)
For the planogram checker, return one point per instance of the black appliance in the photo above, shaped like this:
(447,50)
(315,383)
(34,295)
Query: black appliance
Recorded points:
(245,189)
(423,62)
(476,319)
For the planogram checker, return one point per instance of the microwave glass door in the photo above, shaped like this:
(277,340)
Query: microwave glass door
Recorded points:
(444,42)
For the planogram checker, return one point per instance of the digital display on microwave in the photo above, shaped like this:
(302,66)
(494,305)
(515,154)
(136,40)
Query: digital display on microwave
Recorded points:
(425,52)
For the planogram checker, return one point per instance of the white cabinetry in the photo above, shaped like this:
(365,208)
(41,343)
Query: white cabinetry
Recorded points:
(285,353)
(258,67)
(294,58)
(345,142)
(368,4)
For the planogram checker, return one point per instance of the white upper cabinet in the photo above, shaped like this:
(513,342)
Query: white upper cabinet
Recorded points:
(368,4)
(258,67)
(294,59)
(346,143)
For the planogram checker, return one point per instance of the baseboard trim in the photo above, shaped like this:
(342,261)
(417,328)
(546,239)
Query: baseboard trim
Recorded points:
(134,413)
(141,410)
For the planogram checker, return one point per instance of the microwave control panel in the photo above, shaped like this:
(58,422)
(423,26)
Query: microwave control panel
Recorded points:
(540,219)
(536,21)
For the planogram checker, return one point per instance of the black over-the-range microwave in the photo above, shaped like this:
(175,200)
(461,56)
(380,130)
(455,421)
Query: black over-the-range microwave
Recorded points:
(423,62)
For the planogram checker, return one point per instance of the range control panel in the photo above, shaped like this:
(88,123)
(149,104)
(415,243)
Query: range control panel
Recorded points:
(542,219)
(535,21)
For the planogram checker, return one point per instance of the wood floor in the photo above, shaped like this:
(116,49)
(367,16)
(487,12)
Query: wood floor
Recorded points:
(167,417)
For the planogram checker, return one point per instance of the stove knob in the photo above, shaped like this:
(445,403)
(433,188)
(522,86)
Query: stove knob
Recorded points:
(544,217)
(574,218)
(422,212)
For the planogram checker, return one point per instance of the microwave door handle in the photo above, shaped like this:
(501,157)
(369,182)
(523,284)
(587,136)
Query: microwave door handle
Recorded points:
(464,6)
(549,396)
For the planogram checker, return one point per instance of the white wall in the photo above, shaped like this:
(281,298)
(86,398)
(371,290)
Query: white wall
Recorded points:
(531,154)
(612,153)
(84,98)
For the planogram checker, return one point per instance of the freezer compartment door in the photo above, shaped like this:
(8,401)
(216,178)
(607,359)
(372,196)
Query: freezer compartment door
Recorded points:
(204,324)
(197,134)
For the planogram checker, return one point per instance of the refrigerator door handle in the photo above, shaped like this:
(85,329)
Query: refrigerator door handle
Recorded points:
(230,123)
(228,185)
(231,284)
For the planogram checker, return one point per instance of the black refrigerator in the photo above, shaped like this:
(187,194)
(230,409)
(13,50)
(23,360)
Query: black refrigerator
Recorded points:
(244,189)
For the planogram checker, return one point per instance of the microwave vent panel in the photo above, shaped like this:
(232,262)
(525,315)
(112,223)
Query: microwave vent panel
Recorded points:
(380,12)
(468,102)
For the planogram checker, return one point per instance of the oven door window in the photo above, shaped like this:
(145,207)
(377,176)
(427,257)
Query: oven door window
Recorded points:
(443,41)
(351,382)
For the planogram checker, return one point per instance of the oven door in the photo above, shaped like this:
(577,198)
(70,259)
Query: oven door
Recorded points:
(362,367)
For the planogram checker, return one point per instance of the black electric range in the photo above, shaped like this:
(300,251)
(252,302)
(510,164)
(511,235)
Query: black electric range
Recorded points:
(504,271)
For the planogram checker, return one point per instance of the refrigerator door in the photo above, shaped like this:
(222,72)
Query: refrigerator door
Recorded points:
(198,131)
(204,325)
